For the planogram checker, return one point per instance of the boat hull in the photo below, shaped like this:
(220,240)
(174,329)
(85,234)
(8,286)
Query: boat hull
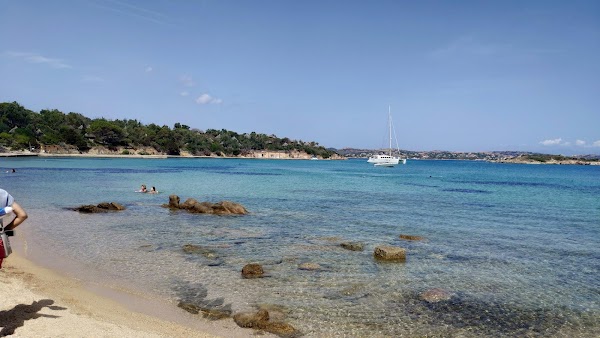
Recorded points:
(384,160)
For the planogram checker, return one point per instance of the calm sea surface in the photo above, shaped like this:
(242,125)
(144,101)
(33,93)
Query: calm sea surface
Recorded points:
(518,246)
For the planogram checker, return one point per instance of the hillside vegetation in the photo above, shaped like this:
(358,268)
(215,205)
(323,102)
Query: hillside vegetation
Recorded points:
(21,128)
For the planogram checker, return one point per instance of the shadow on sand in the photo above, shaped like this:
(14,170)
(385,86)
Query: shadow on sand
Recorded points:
(14,318)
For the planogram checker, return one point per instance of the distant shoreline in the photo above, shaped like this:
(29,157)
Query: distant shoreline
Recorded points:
(161,156)
(515,160)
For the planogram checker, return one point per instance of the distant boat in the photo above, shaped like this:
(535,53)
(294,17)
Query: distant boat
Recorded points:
(383,160)
(314,158)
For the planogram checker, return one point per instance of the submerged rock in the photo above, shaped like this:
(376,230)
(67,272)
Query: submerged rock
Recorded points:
(435,295)
(102,207)
(412,238)
(208,312)
(252,270)
(390,253)
(260,320)
(353,246)
(310,266)
(193,206)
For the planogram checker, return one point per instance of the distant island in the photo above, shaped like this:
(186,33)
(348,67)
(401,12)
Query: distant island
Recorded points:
(52,132)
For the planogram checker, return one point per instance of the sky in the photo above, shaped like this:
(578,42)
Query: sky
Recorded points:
(456,75)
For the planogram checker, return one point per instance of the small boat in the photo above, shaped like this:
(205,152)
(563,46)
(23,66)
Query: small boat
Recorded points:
(314,158)
(383,160)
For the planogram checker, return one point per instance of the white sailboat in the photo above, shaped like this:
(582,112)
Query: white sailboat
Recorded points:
(383,160)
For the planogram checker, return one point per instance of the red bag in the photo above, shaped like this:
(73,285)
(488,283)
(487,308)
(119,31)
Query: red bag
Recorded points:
(1,252)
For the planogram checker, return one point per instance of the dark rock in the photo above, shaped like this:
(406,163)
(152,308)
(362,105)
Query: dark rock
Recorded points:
(215,313)
(220,208)
(188,204)
(89,209)
(390,253)
(191,308)
(412,238)
(202,208)
(252,270)
(233,208)
(353,246)
(111,206)
(260,321)
(102,207)
(174,201)
(207,311)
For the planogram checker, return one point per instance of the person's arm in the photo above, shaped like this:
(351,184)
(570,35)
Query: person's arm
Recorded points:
(20,214)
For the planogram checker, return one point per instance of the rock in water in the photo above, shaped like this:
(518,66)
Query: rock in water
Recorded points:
(174,201)
(220,208)
(353,246)
(252,270)
(412,238)
(390,253)
(435,295)
(260,321)
(102,207)
(309,266)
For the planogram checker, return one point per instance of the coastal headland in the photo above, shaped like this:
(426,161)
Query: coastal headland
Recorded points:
(147,153)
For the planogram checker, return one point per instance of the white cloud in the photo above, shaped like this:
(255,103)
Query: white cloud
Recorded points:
(596,144)
(184,93)
(580,143)
(36,58)
(148,69)
(555,142)
(187,81)
(206,99)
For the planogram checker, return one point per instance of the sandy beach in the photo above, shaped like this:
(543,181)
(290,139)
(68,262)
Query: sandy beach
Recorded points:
(37,302)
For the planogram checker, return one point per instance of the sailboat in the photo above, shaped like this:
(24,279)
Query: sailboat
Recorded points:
(383,160)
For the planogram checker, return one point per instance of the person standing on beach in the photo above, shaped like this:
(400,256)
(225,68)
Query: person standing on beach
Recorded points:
(6,200)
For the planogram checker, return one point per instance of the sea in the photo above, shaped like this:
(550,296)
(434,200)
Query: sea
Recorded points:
(514,248)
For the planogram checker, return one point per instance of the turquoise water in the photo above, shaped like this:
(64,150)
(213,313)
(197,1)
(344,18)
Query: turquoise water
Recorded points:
(516,245)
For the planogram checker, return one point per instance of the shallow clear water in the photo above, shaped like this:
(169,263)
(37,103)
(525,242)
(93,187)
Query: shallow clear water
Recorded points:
(517,245)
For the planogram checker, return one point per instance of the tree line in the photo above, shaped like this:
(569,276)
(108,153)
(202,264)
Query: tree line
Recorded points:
(21,128)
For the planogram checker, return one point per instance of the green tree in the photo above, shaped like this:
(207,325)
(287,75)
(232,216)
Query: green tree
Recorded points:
(106,133)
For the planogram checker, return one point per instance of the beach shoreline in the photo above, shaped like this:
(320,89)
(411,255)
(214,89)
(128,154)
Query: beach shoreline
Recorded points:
(42,301)
(154,156)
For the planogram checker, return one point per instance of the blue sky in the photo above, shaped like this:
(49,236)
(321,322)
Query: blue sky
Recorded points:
(459,75)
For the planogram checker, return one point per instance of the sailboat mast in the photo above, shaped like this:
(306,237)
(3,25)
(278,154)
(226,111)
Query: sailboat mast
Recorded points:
(390,126)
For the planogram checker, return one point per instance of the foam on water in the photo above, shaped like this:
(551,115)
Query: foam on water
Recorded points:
(516,245)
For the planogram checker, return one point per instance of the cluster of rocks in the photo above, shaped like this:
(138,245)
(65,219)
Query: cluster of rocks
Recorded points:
(261,321)
(193,206)
(102,207)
